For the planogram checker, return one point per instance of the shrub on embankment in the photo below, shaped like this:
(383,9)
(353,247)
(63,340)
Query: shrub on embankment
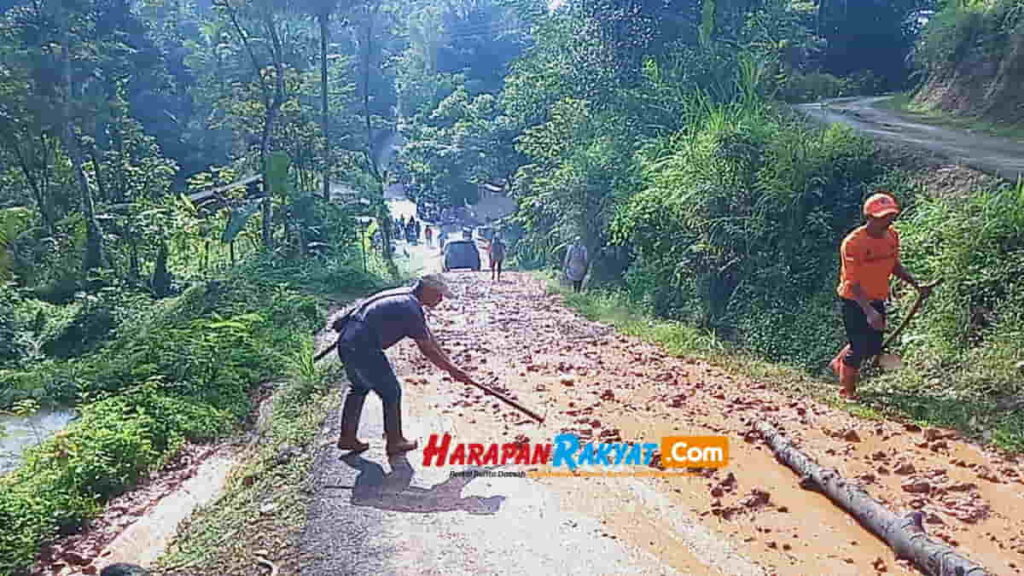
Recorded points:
(184,372)
(739,223)
(963,353)
(972,54)
(738,227)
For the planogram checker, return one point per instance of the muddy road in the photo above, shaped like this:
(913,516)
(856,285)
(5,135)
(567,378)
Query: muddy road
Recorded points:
(1003,157)
(374,516)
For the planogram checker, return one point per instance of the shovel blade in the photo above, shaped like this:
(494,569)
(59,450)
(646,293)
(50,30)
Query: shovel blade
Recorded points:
(890,362)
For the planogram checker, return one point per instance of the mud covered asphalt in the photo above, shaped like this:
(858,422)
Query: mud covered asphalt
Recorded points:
(374,516)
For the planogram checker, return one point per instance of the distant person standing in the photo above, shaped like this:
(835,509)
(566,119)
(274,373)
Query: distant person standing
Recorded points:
(576,263)
(410,231)
(496,255)
(442,237)
(428,233)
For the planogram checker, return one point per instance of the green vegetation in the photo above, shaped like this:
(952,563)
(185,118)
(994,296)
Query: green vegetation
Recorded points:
(972,61)
(182,371)
(964,350)
(962,364)
(265,506)
(706,203)
(168,226)
(739,223)
(65,480)
(180,186)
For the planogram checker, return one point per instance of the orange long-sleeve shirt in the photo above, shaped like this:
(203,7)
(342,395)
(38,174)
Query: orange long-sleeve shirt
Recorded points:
(868,261)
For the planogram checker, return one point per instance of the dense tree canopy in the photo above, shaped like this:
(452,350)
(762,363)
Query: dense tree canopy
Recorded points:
(148,145)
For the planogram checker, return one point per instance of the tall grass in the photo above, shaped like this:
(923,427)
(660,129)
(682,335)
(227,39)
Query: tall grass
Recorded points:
(736,232)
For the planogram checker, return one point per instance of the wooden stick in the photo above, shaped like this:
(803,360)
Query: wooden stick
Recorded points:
(913,312)
(507,400)
(899,329)
(485,389)
(904,534)
(325,351)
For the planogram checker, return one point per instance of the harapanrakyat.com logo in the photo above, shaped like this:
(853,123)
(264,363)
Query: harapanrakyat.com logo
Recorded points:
(567,455)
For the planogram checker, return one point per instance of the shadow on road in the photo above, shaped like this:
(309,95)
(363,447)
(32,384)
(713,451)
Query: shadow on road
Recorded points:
(394,490)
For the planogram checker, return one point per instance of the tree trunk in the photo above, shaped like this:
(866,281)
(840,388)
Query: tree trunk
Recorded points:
(271,105)
(93,257)
(904,534)
(101,186)
(324,18)
(266,206)
(367,52)
(160,283)
(272,113)
(370,159)
(134,270)
(33,182)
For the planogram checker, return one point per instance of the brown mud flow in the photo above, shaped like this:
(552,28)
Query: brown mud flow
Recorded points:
(750,517)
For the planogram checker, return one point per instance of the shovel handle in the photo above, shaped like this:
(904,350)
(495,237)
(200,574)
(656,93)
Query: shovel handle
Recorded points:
(913,312)
(507,400)
(899,329)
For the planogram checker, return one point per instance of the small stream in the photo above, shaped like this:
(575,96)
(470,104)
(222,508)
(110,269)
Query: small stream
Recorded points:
(20,432)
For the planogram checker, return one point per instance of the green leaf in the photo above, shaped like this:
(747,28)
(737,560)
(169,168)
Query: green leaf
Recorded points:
(277,173)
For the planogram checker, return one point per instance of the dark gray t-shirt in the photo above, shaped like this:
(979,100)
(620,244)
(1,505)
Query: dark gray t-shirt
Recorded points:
(391,318)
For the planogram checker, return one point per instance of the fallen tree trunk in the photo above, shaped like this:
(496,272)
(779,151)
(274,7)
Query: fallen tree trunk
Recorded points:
(904,534)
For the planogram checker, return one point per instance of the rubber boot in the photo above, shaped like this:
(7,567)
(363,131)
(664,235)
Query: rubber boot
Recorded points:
(848,381)
(834,364)
(396,442)
(351,411)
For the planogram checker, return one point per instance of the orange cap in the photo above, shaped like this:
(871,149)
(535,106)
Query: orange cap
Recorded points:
(881,204)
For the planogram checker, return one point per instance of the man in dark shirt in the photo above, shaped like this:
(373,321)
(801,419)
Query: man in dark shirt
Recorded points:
(379,323)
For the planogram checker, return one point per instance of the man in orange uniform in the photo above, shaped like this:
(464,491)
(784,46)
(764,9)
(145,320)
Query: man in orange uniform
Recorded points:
(870,255)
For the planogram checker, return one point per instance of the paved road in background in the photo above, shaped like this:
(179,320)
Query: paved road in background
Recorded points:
(1000,156)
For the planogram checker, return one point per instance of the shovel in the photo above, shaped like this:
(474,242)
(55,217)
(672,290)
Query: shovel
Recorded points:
(491,392)
(891,362)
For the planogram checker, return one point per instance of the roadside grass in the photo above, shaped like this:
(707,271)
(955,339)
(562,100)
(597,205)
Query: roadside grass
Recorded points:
(184,373)
(680,339)
(261,515)
(905,105)
(263,510)
(895,396)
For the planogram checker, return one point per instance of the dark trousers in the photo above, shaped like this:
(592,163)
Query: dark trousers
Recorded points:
(865,341)
(577,285)
(368,369)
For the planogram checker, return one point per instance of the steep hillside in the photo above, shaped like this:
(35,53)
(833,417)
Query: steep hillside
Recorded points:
(973,57)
